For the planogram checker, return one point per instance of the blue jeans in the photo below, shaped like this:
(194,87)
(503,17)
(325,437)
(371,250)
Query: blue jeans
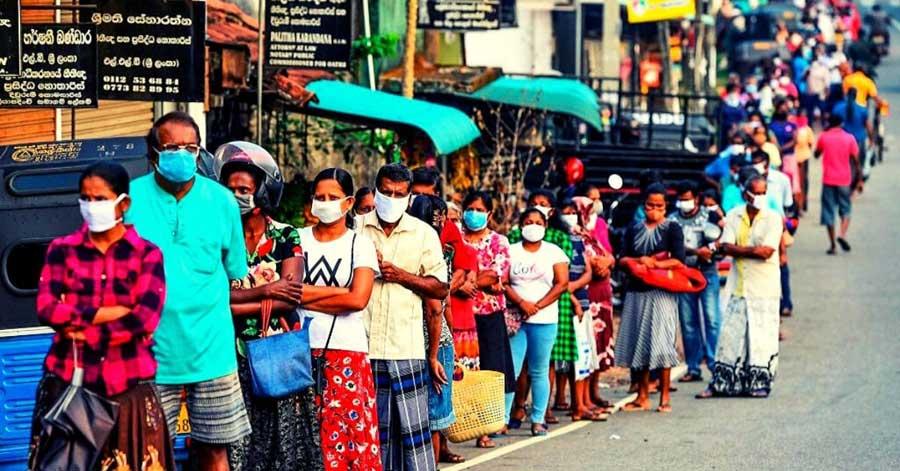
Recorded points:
(701,319)
(533,341)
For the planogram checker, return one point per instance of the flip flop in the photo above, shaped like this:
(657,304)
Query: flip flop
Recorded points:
(706,394)
(487,444)
(452,458)
(632,407)
(593,417)
(845,246)
(561,407)
(664,409)
(551,419)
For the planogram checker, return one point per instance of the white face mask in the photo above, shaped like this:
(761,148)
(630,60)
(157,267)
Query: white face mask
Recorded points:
(685,206)
(571,220)
(100,216)
(713,208)
(759,201)
(533,232)
(328,211)
(760,167)
(597,207)
(390,210)
(737,149)
(544,210)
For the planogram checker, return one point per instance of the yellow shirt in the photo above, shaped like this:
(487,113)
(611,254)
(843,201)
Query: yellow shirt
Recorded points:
(394,317)
(864,86)
(749,277)
(806,140)
(774,154)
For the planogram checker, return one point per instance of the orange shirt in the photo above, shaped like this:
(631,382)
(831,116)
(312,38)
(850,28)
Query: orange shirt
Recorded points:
(864,86)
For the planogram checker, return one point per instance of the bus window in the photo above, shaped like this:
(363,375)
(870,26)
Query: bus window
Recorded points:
(22,265)
(45,182)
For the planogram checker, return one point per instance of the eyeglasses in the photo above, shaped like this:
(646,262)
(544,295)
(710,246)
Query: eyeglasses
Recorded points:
(192,148)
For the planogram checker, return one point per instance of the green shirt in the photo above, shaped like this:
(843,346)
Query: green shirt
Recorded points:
(202,242)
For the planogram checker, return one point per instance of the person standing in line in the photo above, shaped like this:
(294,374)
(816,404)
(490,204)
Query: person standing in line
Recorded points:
(412,270)
(646,339)
(564,351)
(840,156)
(699,313)
(285,431)
(490,334)
(197,224)
(747,354)
(102,290)
(538,277)
(340,268)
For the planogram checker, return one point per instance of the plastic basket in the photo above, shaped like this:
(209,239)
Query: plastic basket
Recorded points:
(478,402)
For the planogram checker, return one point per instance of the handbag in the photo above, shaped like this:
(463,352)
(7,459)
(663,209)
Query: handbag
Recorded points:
(280,365)
(674,280)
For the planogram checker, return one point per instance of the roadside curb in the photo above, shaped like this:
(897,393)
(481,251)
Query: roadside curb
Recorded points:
(558,432)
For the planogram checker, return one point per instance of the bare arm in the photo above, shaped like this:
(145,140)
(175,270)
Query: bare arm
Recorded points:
(287,289)
(355,299)
(423,286)
(560,285)
(757,252)
(584,279)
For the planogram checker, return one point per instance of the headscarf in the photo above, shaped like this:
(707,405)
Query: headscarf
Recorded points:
(598,239)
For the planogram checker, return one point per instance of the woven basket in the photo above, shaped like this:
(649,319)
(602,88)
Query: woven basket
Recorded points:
(478,402)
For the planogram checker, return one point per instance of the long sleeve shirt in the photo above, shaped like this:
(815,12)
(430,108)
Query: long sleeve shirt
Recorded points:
(76,281)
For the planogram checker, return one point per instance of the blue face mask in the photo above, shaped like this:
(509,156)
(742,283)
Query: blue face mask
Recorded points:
(475,220)
(177,166)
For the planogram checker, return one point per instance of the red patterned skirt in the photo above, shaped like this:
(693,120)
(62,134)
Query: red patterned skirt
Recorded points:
(348,417)
(600,296)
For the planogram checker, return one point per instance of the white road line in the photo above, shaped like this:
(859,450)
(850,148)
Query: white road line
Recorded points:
(677,372)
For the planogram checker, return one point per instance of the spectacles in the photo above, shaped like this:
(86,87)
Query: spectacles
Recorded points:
(192,148)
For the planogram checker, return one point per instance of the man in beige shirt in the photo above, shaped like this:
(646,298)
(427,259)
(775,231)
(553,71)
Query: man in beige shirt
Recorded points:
(412,269)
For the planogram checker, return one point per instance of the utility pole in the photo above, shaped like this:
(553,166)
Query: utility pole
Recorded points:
(409,52)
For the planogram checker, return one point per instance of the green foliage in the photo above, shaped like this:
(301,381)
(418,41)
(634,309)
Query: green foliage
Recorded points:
(379,46)
(290,211)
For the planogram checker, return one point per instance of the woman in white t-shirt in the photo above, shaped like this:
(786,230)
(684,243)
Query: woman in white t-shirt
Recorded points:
(538,276)
(340,269)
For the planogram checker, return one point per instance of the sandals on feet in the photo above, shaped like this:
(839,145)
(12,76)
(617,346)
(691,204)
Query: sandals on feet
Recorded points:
(450,457)
(551,419)
(664,408)
(691,378)
(485,442)
(591,416)
(634,407)
(516,423)
(538,430)
(706,394)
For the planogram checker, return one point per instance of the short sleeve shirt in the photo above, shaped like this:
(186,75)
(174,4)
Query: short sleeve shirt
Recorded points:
(395,313)
(531,276)
(865,87)
(836,147)
(333,264)
(753,278)
(202,242)
(698,231)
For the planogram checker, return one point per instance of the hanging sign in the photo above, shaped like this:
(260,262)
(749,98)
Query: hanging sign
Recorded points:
(508,17)
(460,15)
(309,34)
(645,11)
(10,33)
(59,68)
(152,50)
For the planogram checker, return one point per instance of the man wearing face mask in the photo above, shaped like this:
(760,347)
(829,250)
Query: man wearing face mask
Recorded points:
(197,225)
(412,270)
(699,313)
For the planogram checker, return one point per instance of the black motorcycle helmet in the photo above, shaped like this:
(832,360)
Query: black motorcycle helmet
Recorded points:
(246,156)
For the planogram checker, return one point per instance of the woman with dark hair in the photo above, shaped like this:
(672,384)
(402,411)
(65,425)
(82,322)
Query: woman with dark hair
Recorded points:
(102,290)
(285,431)
(341,266)
(646,339)
(363,201)
(490,329)
(538,276)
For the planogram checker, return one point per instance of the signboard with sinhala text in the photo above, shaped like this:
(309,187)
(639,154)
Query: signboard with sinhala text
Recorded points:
(10,33)
(308,34)
(151,50)
(645,11)
(459,15)
(59,68)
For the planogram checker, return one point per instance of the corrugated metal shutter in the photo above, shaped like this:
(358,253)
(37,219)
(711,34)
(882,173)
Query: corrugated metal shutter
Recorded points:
(29,125)
(110,119)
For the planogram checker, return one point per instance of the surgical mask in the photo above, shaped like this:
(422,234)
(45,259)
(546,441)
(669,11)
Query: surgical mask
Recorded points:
(177,166)
(752,88)
(685,206)
(544,210)
(759,201)
(571,220)
(100,216)
(475,220)
(761,168)
(713,208)
(328,211)
(533,232)
(245,203)
(737,149)
(597,207)
(390,210)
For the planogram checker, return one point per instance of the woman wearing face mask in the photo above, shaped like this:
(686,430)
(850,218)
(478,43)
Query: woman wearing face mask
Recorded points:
(490,330)
(646,339)
(341,266)
(538,276)
(285,431)
(102,290)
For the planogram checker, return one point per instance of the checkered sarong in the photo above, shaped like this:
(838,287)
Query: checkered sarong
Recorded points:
(402,395)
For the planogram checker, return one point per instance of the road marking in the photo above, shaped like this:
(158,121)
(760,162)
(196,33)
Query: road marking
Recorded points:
(560,431)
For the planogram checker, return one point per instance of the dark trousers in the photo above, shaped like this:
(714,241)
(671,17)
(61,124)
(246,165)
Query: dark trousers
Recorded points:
(786,302)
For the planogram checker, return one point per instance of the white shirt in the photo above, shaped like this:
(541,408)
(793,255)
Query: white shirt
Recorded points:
(531,276)
(778,189)
(329,264)
(750,277)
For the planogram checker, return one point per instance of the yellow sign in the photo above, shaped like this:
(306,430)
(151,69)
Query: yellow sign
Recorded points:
(644,11)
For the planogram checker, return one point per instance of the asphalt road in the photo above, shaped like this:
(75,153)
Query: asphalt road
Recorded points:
(836,400)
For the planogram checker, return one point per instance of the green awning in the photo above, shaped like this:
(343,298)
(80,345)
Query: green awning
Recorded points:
(552,94)
(448,128)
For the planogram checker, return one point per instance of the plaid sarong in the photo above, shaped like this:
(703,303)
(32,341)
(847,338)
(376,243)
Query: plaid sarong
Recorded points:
(564,349)
(402,395)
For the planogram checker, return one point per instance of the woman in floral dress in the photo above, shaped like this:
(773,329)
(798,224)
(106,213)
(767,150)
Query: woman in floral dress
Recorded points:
(285,431)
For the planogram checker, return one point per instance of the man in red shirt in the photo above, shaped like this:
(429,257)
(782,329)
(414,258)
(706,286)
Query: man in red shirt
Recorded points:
(838,150)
